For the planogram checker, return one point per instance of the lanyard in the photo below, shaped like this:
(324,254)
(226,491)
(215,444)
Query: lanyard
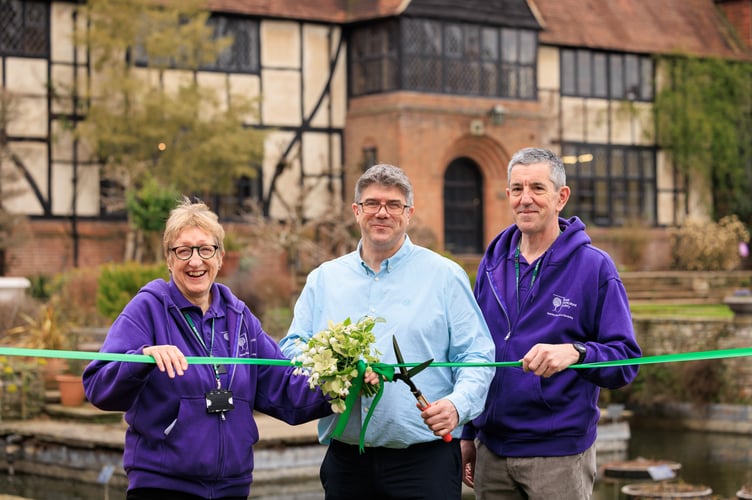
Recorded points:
(210,350)
(517,274)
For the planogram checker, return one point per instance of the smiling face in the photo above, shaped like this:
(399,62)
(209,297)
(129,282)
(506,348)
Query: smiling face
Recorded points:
(535,201)
(195,276)
(382,232)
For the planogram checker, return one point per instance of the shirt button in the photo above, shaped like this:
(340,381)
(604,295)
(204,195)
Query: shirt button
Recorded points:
(376,279)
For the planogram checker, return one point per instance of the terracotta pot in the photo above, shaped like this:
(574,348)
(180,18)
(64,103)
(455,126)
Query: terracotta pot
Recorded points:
(71,390)
(51,369)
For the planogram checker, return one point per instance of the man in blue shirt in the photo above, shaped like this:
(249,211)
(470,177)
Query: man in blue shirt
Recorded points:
(429,307)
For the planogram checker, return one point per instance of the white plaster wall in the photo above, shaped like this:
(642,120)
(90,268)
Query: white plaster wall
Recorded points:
(280,44)
(34,156)
(275,143)
(280,100)
(62,47)
(316,54)
(249,87)
(27,80)
(573,119)
(548,68)
(87,202)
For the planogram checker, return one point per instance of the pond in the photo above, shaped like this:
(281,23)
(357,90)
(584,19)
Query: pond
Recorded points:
(721,461)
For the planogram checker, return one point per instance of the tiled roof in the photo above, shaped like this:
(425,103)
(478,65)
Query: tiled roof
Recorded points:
(645,26)
(499,12)
(510,13)
(335,11)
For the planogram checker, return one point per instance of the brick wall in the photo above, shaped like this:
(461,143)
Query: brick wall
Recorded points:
(46,247)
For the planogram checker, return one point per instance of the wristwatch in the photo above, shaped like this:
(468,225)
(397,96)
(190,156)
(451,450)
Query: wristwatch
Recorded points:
(581,350)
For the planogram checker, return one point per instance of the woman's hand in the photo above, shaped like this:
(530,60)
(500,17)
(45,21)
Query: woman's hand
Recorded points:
(168,358)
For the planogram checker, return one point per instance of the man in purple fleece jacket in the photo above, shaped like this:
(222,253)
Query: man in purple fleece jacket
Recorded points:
(191,429)
(551,300)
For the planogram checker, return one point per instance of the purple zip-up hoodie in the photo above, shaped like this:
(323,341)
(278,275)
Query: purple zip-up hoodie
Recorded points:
(171,441)
(576,296)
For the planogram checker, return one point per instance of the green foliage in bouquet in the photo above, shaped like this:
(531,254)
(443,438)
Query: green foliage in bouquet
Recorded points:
(330,358)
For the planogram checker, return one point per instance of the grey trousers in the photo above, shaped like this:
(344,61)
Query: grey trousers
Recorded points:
(534,478)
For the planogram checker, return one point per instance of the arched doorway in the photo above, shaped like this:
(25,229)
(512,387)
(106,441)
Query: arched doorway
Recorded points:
(463,207)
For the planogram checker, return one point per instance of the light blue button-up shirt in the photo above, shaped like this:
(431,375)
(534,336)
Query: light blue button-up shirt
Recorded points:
(428,305)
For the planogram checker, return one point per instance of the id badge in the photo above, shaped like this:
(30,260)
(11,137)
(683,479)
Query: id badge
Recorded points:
(219,401)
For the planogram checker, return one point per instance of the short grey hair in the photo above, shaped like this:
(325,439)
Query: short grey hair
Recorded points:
(530,156)
(385,175)
(188,214)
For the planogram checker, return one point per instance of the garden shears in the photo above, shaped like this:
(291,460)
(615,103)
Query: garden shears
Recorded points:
(405,375)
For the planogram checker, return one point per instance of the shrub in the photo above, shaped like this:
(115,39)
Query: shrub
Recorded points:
(75,294)
(118,283)
(21,388)
(708,246)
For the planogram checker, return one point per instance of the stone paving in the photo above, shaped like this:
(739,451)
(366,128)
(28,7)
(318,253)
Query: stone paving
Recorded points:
(89,425)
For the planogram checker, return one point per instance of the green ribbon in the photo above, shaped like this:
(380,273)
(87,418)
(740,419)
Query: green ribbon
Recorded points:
(386,371)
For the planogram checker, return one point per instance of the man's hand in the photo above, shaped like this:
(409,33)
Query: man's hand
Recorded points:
(545,360)
(168,358)
(441,417)
(468,462)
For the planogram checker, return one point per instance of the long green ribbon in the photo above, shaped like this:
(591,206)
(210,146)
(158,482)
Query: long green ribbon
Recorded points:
(385,368)
(386,371)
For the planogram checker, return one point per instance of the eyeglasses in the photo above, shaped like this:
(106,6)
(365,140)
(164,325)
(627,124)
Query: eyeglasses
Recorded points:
(393,207)
(204,251)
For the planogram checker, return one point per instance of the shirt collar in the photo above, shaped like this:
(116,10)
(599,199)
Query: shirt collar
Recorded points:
(391,262)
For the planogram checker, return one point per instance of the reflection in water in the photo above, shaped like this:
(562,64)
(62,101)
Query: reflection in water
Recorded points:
(721,461)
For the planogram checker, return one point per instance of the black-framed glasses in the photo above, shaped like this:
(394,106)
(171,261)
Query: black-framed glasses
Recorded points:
(393,207)
(206,252)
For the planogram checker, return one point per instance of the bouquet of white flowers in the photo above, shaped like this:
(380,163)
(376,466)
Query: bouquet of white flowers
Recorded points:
(330,358)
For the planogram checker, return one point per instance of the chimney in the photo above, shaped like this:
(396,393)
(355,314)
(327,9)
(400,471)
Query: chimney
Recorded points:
(739,14)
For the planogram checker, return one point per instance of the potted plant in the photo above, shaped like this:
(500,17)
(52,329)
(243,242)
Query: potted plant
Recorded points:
(71,386)
(45,330)
(50,330)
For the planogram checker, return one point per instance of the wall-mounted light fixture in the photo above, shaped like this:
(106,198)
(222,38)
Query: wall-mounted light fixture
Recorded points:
(497,114)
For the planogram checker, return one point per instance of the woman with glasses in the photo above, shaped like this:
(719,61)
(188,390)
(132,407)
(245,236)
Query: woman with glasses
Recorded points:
(191,429)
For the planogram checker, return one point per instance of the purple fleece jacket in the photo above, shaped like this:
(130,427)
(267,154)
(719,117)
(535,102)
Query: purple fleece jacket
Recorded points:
(171,441)
(577,295)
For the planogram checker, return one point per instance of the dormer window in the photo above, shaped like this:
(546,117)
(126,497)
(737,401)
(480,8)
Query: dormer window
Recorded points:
(428,55)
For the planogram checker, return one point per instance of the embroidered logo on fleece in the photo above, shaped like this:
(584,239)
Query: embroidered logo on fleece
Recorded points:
(561,306)
(243,347)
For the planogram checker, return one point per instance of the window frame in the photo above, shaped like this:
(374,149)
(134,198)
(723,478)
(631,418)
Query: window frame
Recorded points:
(24,32)
(606,192)
(444,56)
(580,75)
(214,20)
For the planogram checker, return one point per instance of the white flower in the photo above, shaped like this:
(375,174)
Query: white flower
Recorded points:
(330,358)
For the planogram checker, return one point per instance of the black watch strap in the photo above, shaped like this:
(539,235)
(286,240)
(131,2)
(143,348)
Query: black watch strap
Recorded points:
(581,349)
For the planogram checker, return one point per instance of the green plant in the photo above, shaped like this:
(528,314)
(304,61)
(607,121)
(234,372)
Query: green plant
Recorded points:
(703,121)
(682,310)
(118,283)
(708,246)
(75,293)
(46,329)
(21,387)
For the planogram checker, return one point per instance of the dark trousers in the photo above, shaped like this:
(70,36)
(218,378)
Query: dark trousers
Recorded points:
(160,494)
(426,470)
